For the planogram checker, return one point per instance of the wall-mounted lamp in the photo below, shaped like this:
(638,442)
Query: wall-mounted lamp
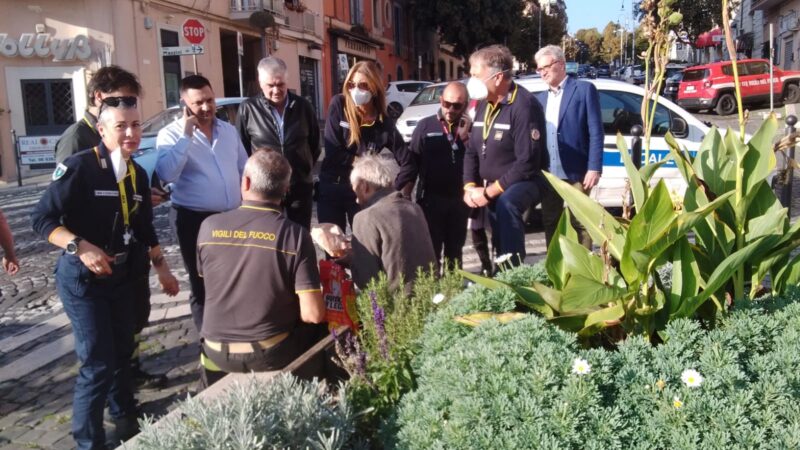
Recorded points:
(148,22)
(40,28)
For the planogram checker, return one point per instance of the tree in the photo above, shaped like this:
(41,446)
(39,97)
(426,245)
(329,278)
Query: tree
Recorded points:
(524,40)
(469,24)
(699,16)
(593,41)
(609,48)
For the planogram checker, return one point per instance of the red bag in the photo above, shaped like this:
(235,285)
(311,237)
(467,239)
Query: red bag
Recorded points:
(339,295)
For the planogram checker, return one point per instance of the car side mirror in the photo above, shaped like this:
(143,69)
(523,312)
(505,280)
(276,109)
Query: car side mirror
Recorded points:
(679,128)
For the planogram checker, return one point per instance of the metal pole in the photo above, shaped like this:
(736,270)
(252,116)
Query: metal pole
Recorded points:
(15,143)
(786,195)
(771,83)
(194,60)
(636,145)
(540,26)
(621,49)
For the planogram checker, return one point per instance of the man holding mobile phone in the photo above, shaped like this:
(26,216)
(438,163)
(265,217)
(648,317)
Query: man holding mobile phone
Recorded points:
(204,159)
(436,156)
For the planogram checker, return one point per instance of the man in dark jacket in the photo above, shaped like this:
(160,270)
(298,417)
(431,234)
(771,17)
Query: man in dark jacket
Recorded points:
(279,120)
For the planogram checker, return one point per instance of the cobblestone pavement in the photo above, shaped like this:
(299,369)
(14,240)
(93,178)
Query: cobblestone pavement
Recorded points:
(37,363)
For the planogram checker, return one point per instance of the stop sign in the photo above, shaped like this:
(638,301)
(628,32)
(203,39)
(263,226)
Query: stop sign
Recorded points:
(194,31)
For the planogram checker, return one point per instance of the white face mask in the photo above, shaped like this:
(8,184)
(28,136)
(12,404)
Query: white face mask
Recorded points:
(119,164)
(476,88)
(360,96)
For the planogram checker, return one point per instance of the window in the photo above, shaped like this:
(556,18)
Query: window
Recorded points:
(376,13)
(621,111)
(428,95)
(727,69)
(398,32)
(757,68)
(47,106)
(412,88)
(356,14)
(172,69)
(442,74)
(695,75)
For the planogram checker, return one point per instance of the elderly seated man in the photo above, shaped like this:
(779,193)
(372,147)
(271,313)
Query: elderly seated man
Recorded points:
(389,233)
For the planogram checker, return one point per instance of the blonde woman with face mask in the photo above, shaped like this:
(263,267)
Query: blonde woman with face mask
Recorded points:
(357,125)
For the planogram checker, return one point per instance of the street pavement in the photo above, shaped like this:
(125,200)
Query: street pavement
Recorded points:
(37,362)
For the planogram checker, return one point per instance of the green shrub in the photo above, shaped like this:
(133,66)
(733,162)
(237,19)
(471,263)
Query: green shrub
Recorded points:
(512,386)
(283,412)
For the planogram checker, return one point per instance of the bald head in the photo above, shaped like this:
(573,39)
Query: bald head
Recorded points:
(454,101)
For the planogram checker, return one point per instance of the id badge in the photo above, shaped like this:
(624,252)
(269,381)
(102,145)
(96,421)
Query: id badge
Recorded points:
(498,135)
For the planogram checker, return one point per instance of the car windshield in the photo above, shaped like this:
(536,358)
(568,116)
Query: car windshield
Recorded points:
(428,95)
(151,126)
(694,75)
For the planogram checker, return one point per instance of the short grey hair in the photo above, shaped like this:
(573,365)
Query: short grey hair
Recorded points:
(373,170)
(105,114)
(496,57)
(269,173)
(272,65)
(550,50)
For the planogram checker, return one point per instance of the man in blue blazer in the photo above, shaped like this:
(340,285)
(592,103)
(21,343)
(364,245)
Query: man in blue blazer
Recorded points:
(574,135)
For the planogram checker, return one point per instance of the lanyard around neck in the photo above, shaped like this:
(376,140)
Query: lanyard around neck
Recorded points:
(123,192)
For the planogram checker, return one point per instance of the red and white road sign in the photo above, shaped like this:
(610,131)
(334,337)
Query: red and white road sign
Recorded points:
(194,31)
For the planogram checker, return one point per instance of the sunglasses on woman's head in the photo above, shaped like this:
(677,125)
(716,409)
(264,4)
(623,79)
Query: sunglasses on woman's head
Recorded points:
(362,85)
(127,101)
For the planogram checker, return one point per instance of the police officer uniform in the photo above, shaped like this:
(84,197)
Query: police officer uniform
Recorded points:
(336,201)
(87,200)
(79,136)
(436,155)
(506,148)
(254,262)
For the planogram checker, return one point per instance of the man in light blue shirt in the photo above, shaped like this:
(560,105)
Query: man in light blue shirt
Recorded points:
(203,158)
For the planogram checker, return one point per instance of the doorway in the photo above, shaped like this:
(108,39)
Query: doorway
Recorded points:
(230,64)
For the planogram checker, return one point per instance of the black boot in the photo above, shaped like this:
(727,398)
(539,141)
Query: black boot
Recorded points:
(145,381)
(480,243)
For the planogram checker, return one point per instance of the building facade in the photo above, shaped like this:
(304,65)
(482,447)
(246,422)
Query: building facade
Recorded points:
(50,50)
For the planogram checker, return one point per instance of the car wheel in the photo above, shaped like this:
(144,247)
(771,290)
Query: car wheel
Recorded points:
(726,105)
(791,93)
(394,109)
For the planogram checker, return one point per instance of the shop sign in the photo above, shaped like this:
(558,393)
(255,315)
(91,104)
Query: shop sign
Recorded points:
(356,48)
(43,45)
(37,149)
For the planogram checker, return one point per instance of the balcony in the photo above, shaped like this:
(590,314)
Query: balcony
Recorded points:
(241,10)
(765,5)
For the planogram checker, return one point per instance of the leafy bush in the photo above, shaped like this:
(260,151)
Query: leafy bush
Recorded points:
(515,386)
(284,412)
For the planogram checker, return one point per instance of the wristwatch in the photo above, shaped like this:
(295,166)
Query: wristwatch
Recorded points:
(486,194)
(72,246)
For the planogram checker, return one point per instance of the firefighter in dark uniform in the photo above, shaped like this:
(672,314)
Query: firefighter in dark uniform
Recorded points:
(436,155)
(253,250)
(113,84)
(506,152)
(97,206)
(357,124)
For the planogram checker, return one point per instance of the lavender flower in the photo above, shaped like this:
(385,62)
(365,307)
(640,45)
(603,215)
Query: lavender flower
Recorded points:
(380,324)
(359,355)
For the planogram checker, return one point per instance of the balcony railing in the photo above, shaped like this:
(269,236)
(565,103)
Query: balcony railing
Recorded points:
(243,6)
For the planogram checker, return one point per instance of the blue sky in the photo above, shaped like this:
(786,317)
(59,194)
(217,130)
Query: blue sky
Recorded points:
(595,13)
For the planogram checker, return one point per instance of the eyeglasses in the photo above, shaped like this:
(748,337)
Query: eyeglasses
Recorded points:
(448,105)
(127,101)
(362,85)
(547,67)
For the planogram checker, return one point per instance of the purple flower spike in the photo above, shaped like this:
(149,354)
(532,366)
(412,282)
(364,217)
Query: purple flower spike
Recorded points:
(380,324)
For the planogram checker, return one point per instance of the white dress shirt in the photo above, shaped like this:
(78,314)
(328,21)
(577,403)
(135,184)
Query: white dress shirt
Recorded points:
(551,113)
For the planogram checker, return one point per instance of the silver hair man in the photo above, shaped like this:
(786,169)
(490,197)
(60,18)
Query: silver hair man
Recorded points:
(269,174)
(372,170)
(550,50)
(272,65)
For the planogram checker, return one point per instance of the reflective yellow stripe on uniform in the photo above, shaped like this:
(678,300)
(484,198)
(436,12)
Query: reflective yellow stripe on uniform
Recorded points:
(208,364)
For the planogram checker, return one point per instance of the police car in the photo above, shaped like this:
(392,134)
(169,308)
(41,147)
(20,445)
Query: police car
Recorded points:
(621,104)
(146,156)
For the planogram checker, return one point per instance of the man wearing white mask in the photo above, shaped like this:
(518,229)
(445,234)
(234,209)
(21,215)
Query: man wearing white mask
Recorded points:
(506,151)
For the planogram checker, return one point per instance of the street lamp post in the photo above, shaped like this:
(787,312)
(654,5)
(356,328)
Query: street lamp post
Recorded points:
(540,24)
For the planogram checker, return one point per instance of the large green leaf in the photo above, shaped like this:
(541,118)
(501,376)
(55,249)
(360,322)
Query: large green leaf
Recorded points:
(723,273)
(648,170)
(638,186)
(789,275)
(682,160)
(596,321)
(581,292)
(600,225)
(527,297)
(712,164)
(685,275)
(571,322)
(551,296)
(554,263)
(578,260)
(715,228)
(648,226)
(760,158)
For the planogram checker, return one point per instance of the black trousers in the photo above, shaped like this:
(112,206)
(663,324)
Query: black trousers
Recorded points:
(186,224)
(336,202)
(299,204)
(447,224)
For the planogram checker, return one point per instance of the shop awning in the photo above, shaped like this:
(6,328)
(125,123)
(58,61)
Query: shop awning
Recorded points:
(707,39)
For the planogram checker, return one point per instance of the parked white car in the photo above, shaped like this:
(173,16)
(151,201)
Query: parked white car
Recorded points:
(400,93)
(620,103)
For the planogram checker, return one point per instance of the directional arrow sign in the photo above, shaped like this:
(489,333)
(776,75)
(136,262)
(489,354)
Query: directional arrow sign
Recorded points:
(180,51)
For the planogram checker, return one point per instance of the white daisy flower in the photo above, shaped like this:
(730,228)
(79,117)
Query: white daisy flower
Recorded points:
(502,258)
(677,403)
(581,367)
(691,378)
(438,298)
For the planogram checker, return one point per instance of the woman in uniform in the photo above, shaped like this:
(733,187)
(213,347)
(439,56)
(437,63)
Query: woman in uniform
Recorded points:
(357,124)
(97,207)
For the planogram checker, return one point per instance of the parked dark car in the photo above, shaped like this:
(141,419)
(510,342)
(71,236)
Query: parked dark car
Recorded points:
(603,70)
(671,86)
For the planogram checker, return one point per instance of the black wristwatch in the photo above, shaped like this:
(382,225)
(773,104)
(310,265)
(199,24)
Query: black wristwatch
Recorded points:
(72,246)
(486,194)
